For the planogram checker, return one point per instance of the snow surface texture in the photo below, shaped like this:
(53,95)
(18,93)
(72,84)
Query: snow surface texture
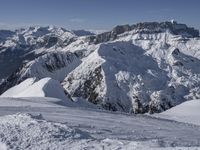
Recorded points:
(57,126)
(186,112)
(147,67)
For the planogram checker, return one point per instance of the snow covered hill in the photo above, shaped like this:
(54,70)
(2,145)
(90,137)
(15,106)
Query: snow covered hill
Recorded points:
(46,123)
(188,112)
(45,87)
(146,67)
(19,88)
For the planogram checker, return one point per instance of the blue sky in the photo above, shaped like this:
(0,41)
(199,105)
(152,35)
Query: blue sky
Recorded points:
(96,14)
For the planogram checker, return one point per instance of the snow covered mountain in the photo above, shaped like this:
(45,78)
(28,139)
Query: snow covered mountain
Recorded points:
(46,87)
(27,44)
(82,32)
(146,67)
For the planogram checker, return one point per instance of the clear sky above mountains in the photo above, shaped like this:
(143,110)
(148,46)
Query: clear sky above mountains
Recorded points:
(96,14)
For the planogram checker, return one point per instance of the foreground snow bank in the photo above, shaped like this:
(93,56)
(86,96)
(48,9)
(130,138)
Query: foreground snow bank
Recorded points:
(45,87)
(188,112)
(75,128)
(26,131)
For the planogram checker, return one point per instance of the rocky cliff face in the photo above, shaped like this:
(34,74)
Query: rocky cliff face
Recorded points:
(146,28)
(55,64)
(121,76)
(24,45)
(146,67)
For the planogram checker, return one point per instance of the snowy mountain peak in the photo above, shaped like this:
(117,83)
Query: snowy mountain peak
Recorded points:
(147,28)
(174,27)
(146,67)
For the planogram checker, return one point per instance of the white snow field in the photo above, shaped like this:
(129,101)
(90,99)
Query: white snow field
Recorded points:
(47,123)
(18,88)
(187,112)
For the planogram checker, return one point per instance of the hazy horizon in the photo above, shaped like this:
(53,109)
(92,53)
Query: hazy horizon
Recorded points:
(95,15)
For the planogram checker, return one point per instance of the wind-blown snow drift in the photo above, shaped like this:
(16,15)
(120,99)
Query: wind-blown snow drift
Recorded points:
(39,133)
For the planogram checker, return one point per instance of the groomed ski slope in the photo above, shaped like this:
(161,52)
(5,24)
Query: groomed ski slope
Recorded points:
(48,123)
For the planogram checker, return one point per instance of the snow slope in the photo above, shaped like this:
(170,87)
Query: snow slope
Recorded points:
(188,112)
(18,88)
(62,127)
(45,87)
